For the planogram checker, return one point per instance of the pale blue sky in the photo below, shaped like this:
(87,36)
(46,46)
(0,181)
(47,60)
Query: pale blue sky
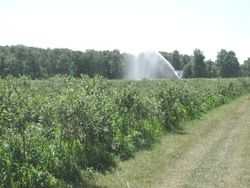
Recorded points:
(129,25)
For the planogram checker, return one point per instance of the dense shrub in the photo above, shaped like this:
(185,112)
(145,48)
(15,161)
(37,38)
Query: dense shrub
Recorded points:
(57,132)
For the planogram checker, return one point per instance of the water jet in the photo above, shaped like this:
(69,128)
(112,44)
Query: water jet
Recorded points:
(151,65)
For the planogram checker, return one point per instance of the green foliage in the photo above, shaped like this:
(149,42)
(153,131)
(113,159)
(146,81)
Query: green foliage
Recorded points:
(228,63)
(188,71)
(199,64)
(176,60)
(212,69)
(245,68)
(200,68)
(58,132)
(37,63)
(42,63)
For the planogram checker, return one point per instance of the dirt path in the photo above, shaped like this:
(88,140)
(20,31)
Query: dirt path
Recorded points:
(214,152)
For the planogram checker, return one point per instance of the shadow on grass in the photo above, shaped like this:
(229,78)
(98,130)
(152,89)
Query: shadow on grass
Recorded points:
(93,186)
(179,132)
(148,146)
(179,129)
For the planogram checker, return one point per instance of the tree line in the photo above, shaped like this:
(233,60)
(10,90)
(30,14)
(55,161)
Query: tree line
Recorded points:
(42,63)
(226,65)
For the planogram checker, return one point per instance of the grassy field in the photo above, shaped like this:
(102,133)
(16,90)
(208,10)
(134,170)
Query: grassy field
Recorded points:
(213,151)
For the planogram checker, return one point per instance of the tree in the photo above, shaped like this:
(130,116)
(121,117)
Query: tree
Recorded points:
(186,59)
(199,64)
(176,60)
(116,65)
(166,55)
(212,69)
(228,64)
(188,70)
(245,68)
(2,63)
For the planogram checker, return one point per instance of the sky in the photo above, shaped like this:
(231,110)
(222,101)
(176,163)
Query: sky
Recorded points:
(129,25)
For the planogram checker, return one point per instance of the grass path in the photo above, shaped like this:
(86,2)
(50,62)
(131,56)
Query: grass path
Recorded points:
(213,152)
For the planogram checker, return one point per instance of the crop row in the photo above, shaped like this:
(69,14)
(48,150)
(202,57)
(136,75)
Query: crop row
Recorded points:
(58,132)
